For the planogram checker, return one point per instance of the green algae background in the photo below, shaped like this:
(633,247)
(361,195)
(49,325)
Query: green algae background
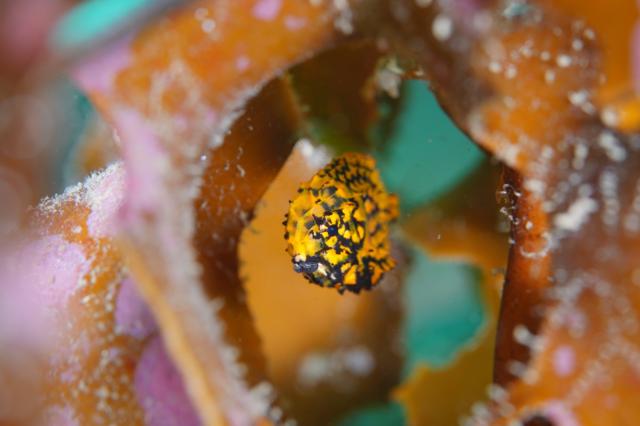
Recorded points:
(92,19)
(425,153)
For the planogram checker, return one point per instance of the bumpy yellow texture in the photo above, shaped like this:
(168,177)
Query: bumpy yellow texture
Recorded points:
(337,227)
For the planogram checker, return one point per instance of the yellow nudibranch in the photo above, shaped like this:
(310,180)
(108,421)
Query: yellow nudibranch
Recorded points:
(337,227)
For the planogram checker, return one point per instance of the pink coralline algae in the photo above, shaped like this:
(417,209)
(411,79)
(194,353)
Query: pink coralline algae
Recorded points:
(160,389)
(564,360)
(132,314)
(83,323)
(37,283)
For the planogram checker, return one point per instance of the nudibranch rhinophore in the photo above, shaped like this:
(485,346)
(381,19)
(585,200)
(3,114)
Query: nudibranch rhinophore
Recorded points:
(337,227)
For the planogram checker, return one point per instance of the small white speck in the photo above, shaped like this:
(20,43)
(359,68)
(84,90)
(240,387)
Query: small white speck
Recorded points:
(580,152)
(208,25)
(496,393)
(610,117)
(612,147)
(495,67)
(510,153)
(578,98)
(389,78)
(608,185)
(511,72)
(535,186)
(577,44)
(102,392)
(514,9)
(576,214)
(316,157)
(563,61)
(517,368)
(313,369)
(523,336)
(276,413)
(590,34)
(242,63)
(526,51)
(479,409)
(545,55)
(344,20)
(549,76)
(585,190)
(442,27)
(358,361)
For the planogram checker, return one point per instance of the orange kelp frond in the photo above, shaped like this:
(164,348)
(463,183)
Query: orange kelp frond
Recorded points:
(337,227)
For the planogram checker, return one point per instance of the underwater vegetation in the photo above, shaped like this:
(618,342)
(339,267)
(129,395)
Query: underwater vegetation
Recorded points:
(467,170)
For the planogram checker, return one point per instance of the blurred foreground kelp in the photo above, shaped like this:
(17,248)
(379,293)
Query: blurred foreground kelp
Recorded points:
(157,291)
